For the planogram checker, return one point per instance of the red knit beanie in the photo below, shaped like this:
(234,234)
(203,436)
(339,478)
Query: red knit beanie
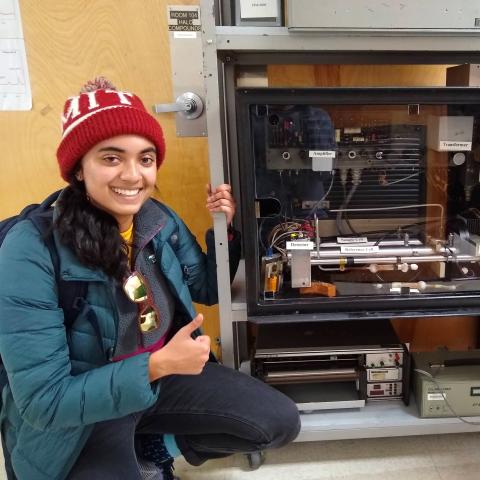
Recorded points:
(101,112)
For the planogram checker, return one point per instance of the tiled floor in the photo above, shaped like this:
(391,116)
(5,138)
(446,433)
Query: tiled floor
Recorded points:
(429,457)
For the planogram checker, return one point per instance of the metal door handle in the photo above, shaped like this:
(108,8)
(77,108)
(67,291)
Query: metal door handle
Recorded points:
(188,104)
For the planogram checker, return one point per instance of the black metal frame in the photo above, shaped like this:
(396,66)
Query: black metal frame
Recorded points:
(336,308)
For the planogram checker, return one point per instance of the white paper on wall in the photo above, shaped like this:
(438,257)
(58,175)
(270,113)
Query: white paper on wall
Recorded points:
(258,9)
(15,91)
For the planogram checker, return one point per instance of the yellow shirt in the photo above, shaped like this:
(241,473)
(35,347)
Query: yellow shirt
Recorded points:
(127,236)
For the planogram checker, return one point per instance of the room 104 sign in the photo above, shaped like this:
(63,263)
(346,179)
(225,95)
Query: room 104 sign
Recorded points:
(184,18)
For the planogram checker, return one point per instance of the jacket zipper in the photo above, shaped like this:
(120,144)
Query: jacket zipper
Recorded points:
(111,350)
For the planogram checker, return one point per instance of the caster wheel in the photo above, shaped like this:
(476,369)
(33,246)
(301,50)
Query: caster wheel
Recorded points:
(255,460)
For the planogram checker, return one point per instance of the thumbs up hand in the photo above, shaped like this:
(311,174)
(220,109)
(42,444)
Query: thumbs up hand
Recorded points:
(182,354)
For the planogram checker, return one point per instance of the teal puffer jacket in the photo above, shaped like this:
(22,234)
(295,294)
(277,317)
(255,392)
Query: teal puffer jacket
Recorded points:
(61,383)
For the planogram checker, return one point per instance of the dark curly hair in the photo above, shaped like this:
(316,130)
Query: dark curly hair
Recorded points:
(90,232)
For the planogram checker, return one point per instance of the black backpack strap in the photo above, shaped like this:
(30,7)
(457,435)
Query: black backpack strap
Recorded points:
(71,294)
(27,212)
(32,210)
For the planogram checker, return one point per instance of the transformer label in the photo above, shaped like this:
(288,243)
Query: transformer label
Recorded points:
(455,146)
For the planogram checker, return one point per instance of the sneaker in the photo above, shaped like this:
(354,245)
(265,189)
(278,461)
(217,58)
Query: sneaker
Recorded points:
(167,469)
(148,470)
(153,449)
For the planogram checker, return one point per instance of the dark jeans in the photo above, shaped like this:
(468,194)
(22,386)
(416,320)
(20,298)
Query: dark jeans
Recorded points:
(214,414)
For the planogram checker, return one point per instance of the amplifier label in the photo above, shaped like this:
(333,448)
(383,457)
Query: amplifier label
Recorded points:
(436,396)
(321,153)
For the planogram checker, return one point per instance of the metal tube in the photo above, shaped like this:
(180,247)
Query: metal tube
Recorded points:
(395,260)
(395,251)
(383,252)
(380,244)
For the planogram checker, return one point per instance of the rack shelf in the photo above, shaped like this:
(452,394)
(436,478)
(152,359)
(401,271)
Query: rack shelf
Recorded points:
(389,418)
(281,39)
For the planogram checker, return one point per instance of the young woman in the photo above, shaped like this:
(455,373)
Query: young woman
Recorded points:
(131,384)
